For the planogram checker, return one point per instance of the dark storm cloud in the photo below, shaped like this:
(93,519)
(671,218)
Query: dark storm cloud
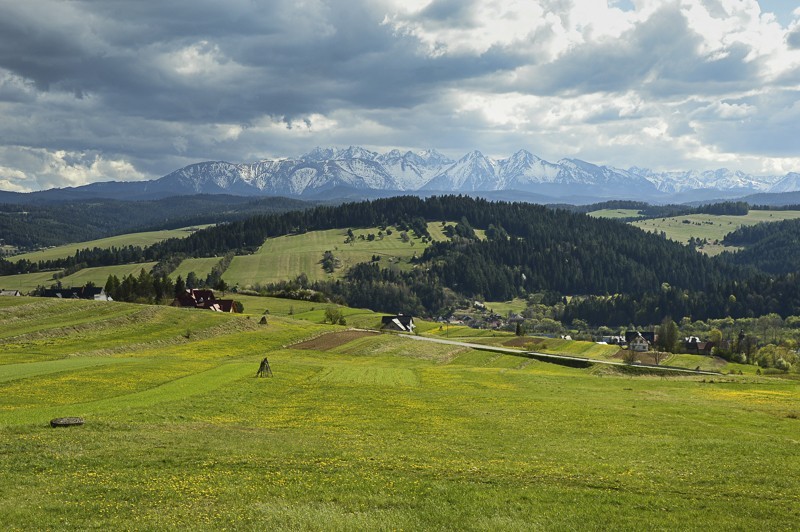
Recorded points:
(158,84)
(286,59)
(659,56)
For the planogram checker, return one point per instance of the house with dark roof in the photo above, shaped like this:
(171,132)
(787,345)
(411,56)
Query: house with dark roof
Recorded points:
(693,345)
(96,293)
(204,299)
(640,341)
(399,322)
(639,344)
(194,297)
(649,336)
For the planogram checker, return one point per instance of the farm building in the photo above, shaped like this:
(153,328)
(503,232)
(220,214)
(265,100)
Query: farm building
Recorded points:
(204,299)
(96,293)
(10,293)
(649,336)
(693,345)
(400,322)
(639,344)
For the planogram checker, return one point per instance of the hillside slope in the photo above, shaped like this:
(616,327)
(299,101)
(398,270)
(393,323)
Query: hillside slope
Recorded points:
(362,431)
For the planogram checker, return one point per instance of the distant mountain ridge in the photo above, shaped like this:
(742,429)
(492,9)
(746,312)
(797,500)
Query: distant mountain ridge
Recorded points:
(430,171)
(333,172)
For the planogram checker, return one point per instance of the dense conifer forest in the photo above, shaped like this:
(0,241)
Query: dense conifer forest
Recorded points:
(771,247)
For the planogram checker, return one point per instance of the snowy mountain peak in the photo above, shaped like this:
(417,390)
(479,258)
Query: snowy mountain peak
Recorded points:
(789,183)
(357,168)
(434,157)
(356,152)
(525,155)
(320,154)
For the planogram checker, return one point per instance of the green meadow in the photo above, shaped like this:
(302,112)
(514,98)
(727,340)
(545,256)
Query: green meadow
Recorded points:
(142,239)
(616,213)
(709,226)
(201,267)
(284,257)
(365,431)
(28,282)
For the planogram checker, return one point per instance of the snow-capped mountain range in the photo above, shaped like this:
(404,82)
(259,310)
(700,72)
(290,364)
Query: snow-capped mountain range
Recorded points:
(357,173)
(355,168)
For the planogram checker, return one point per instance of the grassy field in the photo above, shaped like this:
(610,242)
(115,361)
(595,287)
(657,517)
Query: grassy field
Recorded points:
(201,267)
(709,226)
(315,312)
(27,282)
(436,230)
(133,239)
(285,257)
(504,307)
(365,432)
(616,213)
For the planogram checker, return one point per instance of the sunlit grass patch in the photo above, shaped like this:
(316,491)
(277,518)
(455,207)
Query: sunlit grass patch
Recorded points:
(142,239)
(332,340)
(462,331)
(27,282)
(200,266)
(10,372)
(13,301)
(112,391)
(391,345)
(369,376)
(709,226)
(47,315)
(507,361)
(475,358)
(504,307)
(284,257)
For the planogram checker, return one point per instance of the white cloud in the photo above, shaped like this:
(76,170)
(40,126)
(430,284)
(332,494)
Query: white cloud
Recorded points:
(457,28)
(29,169)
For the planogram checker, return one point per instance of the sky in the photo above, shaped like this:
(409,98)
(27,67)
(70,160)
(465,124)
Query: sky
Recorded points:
(99,90)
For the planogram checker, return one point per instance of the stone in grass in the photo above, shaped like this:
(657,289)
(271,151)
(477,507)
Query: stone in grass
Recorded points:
(66,421)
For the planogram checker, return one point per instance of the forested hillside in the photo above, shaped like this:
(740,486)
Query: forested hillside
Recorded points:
(38,225)
(771,247)
(613,273)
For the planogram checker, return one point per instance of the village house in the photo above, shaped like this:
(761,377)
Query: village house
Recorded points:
(614,340)
(693,345)
(12,293)
(400,322)
(97,293)
(639,344)
(203,299)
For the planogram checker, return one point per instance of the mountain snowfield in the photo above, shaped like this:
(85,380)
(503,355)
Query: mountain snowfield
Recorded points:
(356,168)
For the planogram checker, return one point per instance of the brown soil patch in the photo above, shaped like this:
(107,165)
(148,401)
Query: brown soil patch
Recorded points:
(648,357)
(519,341)
(525,342)
(332,340)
